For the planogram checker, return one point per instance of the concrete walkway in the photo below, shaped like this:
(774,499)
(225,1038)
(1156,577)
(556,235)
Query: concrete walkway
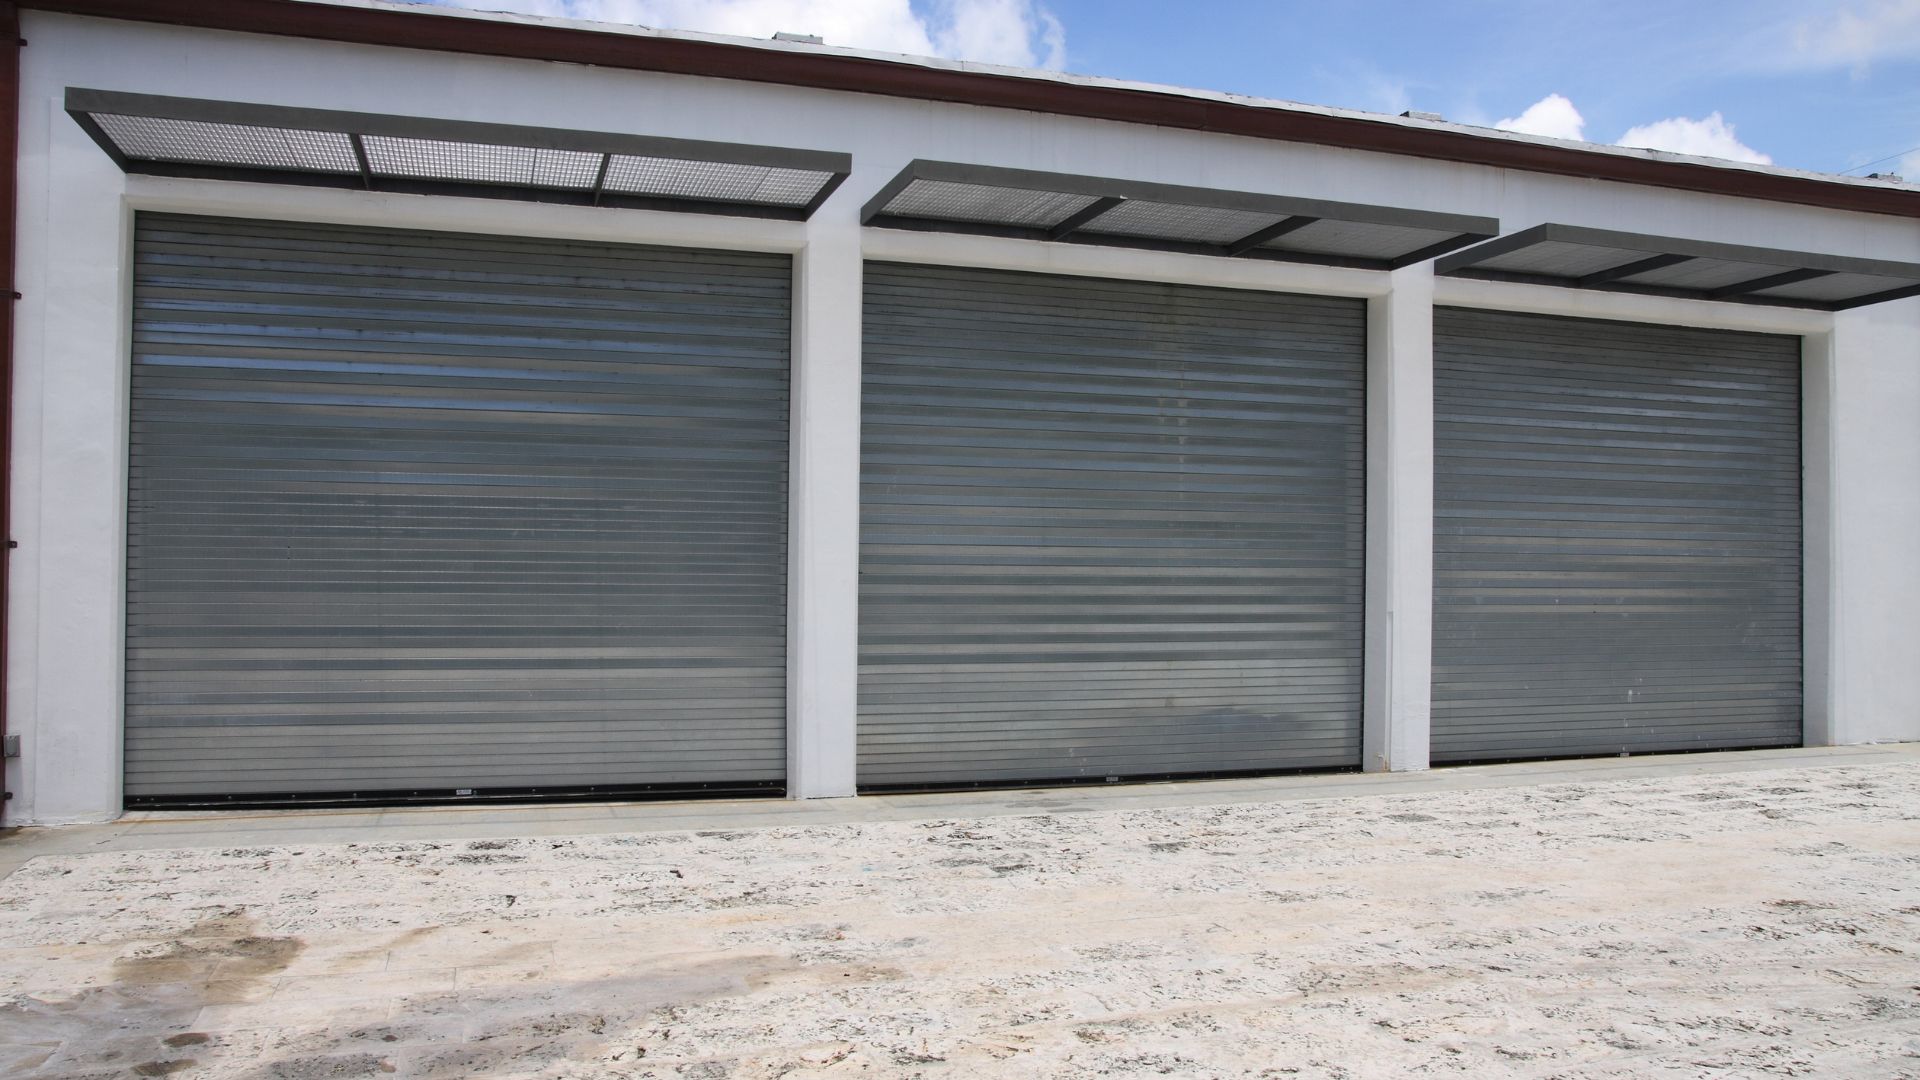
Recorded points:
(144,831)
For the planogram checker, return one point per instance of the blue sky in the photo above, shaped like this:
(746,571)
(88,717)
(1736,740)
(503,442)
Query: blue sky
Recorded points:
(1828,86)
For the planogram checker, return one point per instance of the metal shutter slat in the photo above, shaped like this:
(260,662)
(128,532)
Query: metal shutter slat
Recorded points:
(418,511)
(1617,558)
(1108,528)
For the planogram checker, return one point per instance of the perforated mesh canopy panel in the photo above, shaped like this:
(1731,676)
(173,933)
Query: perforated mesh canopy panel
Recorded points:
(947,196)
(1575,257)
(225,140)
(1171,221)
(438,159)
(1356,238)
(710,180)
(1839,286)
(160,139)
(976,202)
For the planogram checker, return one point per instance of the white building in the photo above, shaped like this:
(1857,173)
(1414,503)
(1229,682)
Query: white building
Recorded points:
(420,404)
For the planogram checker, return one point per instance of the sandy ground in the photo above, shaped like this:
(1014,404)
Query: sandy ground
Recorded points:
(1752,924)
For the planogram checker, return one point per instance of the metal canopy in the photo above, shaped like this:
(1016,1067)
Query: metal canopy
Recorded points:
(944,196)
(1582,258)
(226,140)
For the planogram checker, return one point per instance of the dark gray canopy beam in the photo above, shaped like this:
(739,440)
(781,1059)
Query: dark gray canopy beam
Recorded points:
(1272,232)
(1785,277)
(1094,209)
(1567,256)
(1637,266)
(946,196)
(231,140)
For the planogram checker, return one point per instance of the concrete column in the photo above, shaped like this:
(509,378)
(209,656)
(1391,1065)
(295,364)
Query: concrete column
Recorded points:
(823,573)
(66,658)
(1398,709)
(1861,395)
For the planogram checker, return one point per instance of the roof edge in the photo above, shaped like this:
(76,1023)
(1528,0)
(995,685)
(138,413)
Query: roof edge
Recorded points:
(902,78)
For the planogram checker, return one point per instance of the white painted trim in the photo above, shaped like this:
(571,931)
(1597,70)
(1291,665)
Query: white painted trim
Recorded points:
(1627,307)
(1397,708)
(493,217)
(1131,264)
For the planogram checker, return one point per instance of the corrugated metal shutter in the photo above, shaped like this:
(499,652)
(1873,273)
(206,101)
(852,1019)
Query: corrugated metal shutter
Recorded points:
(1617,538)
(1108,528)
(420,511)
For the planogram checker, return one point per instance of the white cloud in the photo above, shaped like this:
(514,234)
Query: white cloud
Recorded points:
(1001,31)
(1552,116)
(1709,137)
(1556,117)
(1017,32)
(1858,34)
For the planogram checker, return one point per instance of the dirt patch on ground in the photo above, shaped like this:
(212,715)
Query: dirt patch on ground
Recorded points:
(224,943)
(1754,924)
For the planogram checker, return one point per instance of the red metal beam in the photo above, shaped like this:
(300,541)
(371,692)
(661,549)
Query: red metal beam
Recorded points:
(445,33)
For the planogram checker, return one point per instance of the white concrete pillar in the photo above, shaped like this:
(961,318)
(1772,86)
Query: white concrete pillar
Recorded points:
(1398,708)
(1870,690)
(66,659)
(823,573)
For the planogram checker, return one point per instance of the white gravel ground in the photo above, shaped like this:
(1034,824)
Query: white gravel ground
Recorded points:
(1750,924)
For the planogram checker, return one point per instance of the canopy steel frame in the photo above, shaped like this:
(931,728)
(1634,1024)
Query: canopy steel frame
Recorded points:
(85,105)
(1082,226)
(1653,254)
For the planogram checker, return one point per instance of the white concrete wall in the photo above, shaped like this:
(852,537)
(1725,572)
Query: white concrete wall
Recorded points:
(1874,573)
(69,439)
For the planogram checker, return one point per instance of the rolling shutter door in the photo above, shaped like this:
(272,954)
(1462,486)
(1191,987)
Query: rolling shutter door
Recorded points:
(1109,529)
(419,512)
(1617,538)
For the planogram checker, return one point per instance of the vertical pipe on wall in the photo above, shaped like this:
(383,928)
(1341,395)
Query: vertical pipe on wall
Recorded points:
(823,565)
(1397,714)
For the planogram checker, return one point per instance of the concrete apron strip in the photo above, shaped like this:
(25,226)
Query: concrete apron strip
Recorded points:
(158,830)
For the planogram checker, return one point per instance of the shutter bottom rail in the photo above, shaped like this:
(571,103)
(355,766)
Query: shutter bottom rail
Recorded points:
(315,800)
(933,786)
(1454,763)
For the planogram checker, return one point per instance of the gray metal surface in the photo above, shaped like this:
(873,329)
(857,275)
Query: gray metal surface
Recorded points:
(1024,204)
(1108,528)
(427,511)
(1617,538)
(232,140)
(1573,256)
